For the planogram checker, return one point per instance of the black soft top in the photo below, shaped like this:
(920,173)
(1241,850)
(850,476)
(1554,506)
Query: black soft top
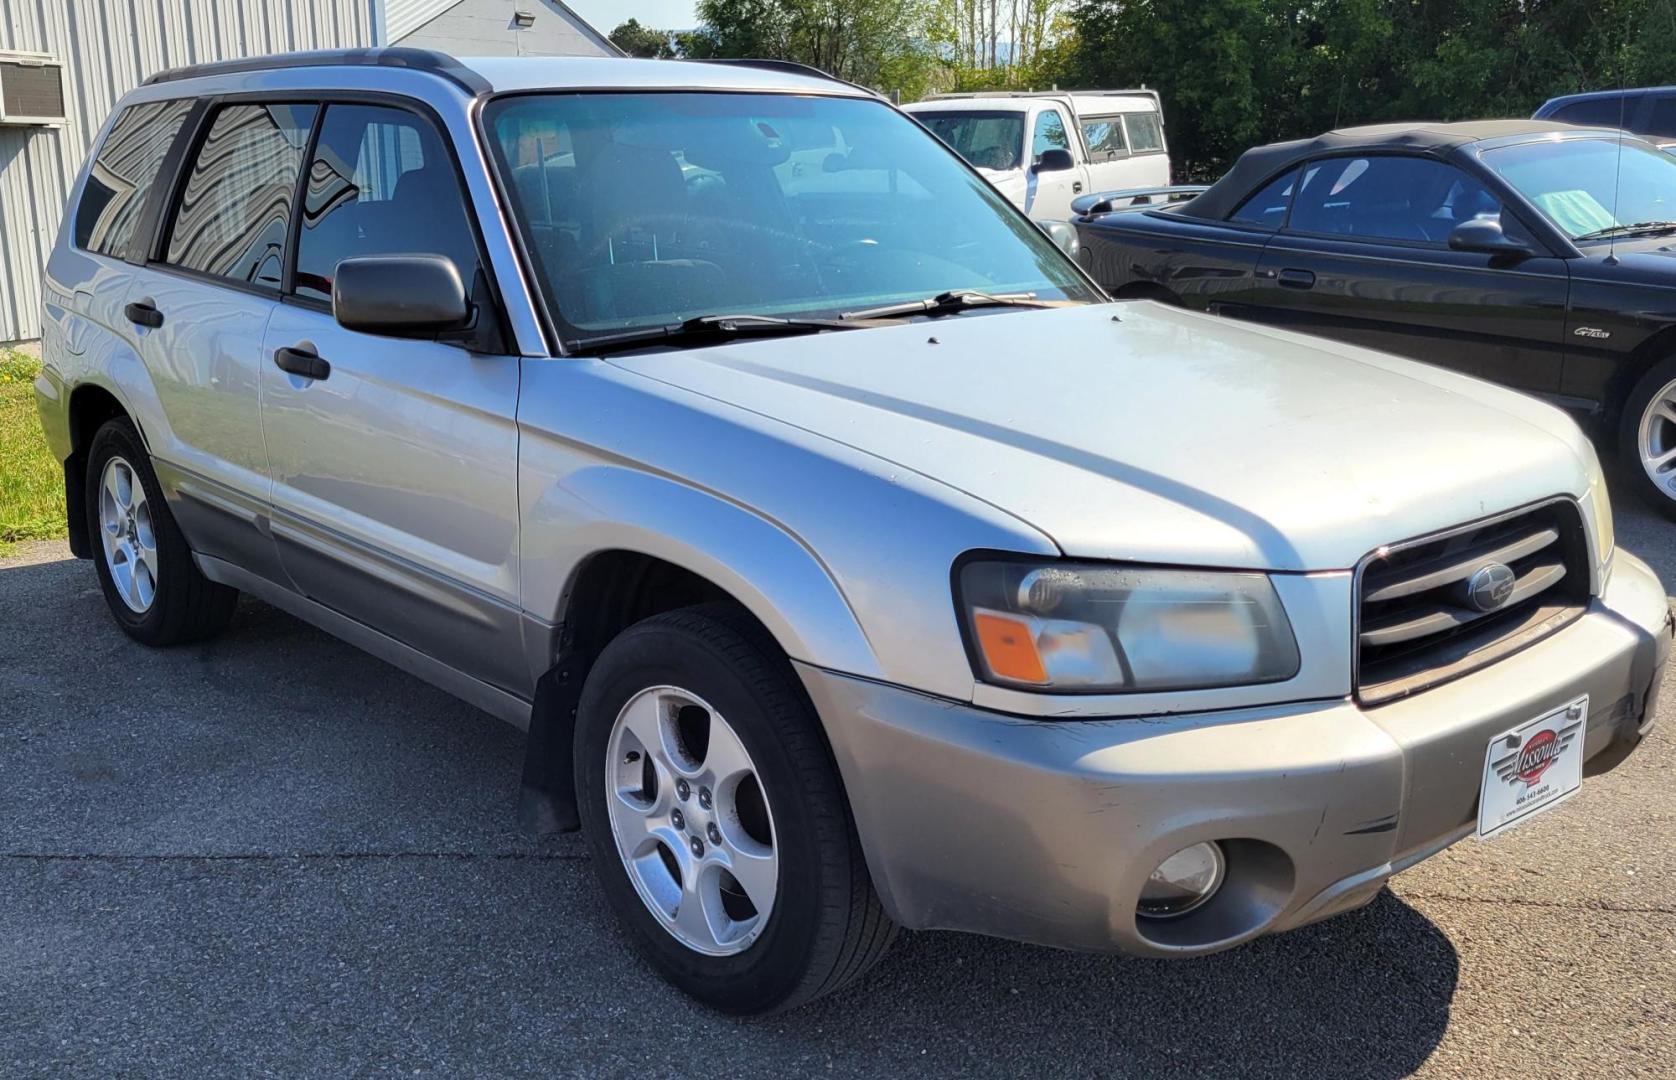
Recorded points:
(1435,139)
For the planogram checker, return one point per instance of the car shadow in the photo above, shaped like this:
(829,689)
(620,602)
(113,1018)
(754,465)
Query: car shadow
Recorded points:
(361,827)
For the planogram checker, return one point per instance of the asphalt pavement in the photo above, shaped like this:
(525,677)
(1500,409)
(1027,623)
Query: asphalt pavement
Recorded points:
(275,855)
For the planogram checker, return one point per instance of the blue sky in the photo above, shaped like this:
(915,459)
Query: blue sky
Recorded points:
(605,15)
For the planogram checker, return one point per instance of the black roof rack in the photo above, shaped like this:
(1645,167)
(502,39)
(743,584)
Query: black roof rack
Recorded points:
(434,63)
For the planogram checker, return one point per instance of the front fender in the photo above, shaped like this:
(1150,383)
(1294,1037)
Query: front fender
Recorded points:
(760,563)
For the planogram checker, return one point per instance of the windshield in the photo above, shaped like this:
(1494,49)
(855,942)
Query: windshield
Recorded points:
(1582,186)
(643,210)
(989,140)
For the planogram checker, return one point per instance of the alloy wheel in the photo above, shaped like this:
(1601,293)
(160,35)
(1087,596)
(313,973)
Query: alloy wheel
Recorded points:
(128,535)
(691,821)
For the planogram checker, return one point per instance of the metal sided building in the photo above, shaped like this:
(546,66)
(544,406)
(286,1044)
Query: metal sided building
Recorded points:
(64,64)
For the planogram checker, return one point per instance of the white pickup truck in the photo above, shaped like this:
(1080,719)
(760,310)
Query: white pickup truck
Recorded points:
(1106,140)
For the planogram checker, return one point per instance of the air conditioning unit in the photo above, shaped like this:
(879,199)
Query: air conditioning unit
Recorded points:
(31,89)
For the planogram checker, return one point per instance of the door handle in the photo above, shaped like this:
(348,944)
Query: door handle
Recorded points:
(1076,187)
(144,313)
(302,363)
(1297,279)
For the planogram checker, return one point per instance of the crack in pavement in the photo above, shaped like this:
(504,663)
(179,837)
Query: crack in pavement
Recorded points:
(1569,905)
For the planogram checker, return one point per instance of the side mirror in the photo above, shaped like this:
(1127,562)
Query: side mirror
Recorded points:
(1485,236)
(400,295)
(1064,234)
(1055,160)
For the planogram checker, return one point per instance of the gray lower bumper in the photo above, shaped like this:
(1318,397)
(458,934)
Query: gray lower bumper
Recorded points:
(1045,831)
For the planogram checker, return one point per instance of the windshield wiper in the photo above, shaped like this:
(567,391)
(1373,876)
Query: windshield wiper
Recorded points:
(952,302)
(707,329)
(1638,227)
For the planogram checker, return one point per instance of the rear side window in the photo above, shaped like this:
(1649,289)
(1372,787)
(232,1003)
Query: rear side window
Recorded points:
(1661,118)
(1146,132)
(121,176)
(1050,135)
(1602,112)
(236,208)
(1267,207)
(381,183)
(1104,136)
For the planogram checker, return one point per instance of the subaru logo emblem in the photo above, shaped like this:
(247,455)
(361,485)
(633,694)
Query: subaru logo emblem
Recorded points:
(1490,586)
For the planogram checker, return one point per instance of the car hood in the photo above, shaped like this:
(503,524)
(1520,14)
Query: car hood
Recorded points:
(1143,432)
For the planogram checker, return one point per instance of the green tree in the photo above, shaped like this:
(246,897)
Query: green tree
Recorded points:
(637,40)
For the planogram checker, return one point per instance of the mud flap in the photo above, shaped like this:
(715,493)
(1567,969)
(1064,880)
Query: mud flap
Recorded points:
(547,794)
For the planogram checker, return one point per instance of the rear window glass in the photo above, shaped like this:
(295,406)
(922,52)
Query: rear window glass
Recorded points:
(121,176)
(235,212)
(1146,132)
(1104,136)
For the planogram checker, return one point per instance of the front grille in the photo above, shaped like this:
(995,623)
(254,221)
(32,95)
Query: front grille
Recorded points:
(1419,623)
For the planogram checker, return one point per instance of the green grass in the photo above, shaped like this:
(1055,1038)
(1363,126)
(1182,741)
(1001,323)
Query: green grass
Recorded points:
(31,482)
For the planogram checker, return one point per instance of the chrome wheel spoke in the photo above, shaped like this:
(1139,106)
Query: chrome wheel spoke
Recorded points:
(725,758)
(695,918)
(758,874)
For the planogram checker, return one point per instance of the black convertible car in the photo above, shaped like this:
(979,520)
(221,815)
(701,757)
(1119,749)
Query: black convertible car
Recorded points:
(1533,253)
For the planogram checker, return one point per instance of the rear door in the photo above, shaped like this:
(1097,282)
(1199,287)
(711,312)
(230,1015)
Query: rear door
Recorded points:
(395,476)
(1364,258)
(199,308)
(1049,194)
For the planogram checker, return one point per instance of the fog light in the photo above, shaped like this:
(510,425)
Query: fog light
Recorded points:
(1182,882)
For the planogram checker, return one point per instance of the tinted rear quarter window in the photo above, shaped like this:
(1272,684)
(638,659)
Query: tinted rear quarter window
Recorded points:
(235,210)
(1605,112)
(121,177)
(1267,206)
(1661,117)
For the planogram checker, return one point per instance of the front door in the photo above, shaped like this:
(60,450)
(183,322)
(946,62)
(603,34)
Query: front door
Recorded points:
(395,475)
(1364,258)
(1048,195)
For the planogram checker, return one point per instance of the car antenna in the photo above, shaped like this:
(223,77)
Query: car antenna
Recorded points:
(1617,171)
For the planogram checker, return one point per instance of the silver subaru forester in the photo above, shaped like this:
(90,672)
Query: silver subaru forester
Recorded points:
(852,562)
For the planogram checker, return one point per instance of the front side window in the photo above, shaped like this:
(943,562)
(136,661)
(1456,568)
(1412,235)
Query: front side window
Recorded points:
(1104,136)
(1588,186)
(236,208)
(381,183)
(1146,132)
(989,140)
(1413,199)
(120,178)
(1267,207)
(1050,134)
(642,209)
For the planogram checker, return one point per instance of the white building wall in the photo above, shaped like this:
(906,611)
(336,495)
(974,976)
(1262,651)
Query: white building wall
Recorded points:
(110,46)
(488,28)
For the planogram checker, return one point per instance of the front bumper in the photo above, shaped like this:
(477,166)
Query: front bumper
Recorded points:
(1045,831)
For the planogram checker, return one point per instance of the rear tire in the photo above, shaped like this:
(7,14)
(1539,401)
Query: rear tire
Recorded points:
(153,587)
(709,668)
(1647,438)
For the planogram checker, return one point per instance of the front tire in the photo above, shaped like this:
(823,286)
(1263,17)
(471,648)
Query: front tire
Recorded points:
(152,585)
(716,818)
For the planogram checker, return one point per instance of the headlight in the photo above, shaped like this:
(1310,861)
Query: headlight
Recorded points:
(1084,627)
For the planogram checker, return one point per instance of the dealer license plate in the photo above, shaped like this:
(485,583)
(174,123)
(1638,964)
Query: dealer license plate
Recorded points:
(1532,768)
